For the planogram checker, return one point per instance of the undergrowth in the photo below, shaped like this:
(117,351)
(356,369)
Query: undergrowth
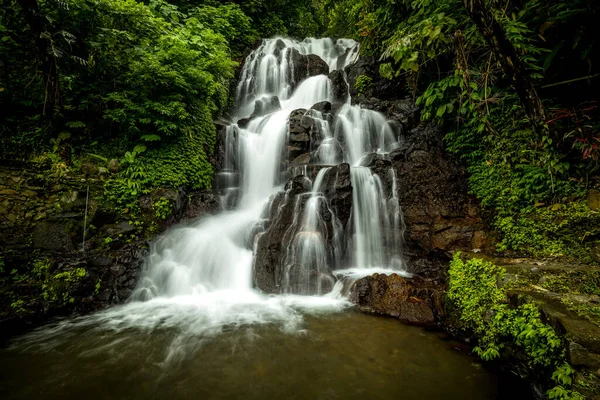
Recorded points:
(498,327)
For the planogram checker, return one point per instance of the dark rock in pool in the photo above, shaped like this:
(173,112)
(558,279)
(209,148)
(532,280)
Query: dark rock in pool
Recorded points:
(414,301)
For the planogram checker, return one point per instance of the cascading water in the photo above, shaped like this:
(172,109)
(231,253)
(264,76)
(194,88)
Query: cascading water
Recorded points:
(199,277)
(216,254)
(196,327)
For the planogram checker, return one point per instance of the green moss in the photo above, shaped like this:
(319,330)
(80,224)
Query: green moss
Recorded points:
(56,288)
(475,293)
(363,83)
(570,230)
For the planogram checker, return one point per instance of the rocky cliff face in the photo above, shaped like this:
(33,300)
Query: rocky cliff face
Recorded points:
(49,268)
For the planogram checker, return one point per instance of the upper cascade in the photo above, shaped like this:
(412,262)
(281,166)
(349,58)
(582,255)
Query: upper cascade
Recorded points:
(275,67)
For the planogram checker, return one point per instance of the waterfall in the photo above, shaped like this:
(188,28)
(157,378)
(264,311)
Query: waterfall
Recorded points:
(215,255)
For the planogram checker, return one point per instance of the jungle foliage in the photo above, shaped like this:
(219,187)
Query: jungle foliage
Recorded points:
(499,328)
(514,83)
(135,81)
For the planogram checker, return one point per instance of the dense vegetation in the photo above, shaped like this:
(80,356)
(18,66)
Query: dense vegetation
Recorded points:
(139,82)
(502,328)
(515,84)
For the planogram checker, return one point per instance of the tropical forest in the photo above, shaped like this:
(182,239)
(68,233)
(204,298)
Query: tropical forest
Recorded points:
(299,199)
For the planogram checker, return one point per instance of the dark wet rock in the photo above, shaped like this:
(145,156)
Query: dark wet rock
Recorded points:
(593,200)
(104,216)
(123,294)
(100,262)
(200,204)
(243,122)
(431,265)
(298,184)
(274,254)
(300,160)
(299,122)
(54,235)
(322,107)
(404,113)
(118,270)
(114,166)
(340,89)
(307,65)
(304,137)
(269,249)
(433,192)
(414,301)
(265,105)
(104,295)
(338,190)
(223,144)
(580,356)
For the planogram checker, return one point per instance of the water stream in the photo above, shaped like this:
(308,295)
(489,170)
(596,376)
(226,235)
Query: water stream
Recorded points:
(196,327)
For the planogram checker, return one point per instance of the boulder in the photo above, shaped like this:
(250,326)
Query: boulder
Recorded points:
(414,301)
(307,65)
(323,107)
(340,89)
(265,105)
(593,200)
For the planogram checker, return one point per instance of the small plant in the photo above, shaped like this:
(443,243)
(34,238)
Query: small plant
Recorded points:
(18,306)
(580,128)
(162,208)
(97,287)
(58,287)
(363,83)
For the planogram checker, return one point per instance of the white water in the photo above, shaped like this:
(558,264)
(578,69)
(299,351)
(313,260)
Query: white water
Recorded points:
(199,277)
(215,254)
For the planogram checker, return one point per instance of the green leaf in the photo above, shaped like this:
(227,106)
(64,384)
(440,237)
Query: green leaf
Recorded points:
(150,138)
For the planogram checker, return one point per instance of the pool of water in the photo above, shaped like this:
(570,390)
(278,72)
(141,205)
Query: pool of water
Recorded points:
(338,354)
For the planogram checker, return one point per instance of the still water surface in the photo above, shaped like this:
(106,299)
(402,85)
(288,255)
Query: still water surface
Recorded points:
(345,355)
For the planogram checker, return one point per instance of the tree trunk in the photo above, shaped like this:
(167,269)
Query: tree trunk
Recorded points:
(506,54)
(49,68)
